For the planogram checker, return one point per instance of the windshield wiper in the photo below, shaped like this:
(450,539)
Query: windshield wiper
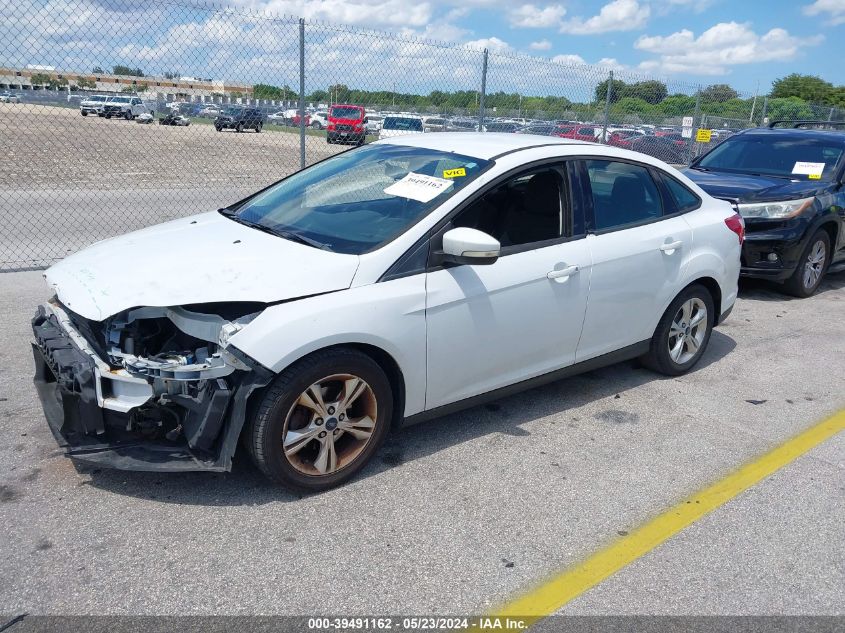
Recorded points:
(287,235)
(298,237)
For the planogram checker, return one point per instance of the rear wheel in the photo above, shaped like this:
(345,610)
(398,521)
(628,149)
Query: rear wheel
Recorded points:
(682,333)
(811,267)
(258,128)
(316,125)
(84,113)
(321,420)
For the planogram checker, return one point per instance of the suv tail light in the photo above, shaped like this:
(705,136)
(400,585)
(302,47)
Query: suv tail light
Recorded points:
(736,224)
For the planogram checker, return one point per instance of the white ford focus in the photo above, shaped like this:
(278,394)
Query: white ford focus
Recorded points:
(383,286)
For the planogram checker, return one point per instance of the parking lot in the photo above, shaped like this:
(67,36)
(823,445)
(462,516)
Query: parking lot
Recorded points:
(461,514)
(68,180)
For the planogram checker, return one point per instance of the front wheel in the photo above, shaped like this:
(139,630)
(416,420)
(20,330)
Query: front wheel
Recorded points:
(316,125)
(239,127)
(811,267)
(258,128)
(84,113)
(321,420)
(682,333)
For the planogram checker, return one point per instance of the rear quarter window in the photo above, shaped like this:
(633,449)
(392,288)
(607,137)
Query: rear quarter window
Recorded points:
(683,199)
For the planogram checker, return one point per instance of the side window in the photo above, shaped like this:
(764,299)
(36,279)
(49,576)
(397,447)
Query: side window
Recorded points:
(622,194)
(527,208)
(684,199)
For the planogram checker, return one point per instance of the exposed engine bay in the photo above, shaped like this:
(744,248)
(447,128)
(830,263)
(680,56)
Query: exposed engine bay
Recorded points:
(160,375)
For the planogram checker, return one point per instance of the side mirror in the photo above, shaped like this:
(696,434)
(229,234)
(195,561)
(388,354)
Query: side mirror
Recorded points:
(464,245)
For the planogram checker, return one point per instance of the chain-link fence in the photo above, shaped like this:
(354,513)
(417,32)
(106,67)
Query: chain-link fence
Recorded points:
(117,115)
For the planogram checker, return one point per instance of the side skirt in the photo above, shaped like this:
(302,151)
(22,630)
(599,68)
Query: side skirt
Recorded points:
(611,358)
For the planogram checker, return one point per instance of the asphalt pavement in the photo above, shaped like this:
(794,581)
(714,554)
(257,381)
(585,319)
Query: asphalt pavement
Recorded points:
(460,514)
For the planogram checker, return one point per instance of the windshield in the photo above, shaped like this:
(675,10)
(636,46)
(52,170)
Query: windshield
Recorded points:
(232,110)
(358,200)
(120,99)
(399,123)
(346,113)
(798,158)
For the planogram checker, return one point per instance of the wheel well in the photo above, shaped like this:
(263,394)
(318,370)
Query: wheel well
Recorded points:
(394,375)
(831,229)
(715,292)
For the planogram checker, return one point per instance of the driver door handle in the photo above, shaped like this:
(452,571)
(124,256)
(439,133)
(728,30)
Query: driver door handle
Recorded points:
(671,247)
(563,273)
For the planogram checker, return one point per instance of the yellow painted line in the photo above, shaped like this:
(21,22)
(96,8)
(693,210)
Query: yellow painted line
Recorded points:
(559,590)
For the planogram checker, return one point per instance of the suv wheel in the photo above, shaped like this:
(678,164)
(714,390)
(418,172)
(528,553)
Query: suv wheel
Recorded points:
(321,420)
(239,127)
(316,125)
(84,113)
(811,267)
(128,115)
(682,333)
(258,128)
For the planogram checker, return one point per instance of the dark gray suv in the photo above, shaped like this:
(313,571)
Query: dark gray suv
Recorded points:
(240,119)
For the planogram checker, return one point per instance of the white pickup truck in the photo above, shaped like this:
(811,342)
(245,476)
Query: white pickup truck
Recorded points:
(93,104)
(127,107)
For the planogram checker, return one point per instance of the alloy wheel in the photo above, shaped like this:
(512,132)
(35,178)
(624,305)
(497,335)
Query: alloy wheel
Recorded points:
(329,424)
(687,332)
(814,264)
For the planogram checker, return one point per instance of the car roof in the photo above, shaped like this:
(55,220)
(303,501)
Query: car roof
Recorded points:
(484,145)
(797,133)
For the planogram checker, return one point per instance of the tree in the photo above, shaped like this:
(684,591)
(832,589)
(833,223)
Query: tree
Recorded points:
(806,87)
(616,91)
(126,70)
(267,91)
(84,83)
(97,70)
(171,74)
(652,92)
(677,105)
(719,93)
(39,79)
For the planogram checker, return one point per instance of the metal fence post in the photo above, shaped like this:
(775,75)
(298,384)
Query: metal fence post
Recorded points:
(608,97)
(693,144)
(301,93)
(765,108)
(483,91)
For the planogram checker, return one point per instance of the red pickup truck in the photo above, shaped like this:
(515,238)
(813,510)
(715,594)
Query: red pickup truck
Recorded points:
(347,124)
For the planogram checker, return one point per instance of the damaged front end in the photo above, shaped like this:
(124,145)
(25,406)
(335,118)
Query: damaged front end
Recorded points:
(151,388)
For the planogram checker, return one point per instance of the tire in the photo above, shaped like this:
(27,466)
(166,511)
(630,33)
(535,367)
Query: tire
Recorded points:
(239,127)
(280,409)
(811,267)
(329,140)
(316,125)
(258,128)
(218,128)
(128,115)
(659,358)
(84,113)
(108,116)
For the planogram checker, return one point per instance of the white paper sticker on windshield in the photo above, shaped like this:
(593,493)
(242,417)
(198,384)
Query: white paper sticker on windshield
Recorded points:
(810,169)
(418,187)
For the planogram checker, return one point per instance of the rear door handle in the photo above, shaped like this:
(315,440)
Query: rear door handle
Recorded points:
(563,274)
(671,247)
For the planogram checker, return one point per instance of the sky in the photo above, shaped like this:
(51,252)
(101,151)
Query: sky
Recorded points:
(745,43)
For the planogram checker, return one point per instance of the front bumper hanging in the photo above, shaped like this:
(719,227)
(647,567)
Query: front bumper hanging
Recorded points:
(89,406)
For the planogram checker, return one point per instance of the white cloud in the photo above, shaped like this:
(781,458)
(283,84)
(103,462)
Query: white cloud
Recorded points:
(542,45)
(608,63)
(530,16)
(618,15)
(569,60)
(836,9)
(719,47)
(493,44)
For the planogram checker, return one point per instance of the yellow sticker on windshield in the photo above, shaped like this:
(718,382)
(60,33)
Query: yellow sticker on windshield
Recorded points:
(814,176)
(454,173)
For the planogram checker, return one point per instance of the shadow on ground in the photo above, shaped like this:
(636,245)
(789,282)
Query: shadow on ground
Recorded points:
(245,485)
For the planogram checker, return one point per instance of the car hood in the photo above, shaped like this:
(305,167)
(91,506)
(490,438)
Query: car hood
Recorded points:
(206,258)
(751,188)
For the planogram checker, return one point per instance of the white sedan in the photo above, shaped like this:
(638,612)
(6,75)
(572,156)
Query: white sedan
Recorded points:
(380,287)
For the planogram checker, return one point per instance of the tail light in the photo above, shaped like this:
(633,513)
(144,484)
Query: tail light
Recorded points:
(736,224)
